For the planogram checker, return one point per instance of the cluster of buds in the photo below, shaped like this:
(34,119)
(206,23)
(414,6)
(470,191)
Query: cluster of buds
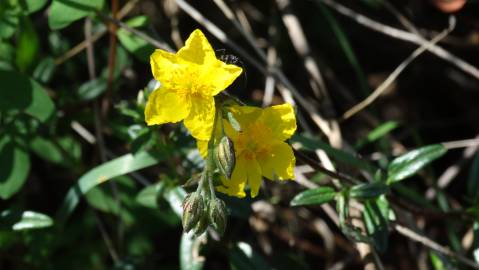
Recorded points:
(199,213)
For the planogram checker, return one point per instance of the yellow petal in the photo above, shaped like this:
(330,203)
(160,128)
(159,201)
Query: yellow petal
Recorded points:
(165,66)
(281,119)
(254,176)
(165,106)
(279,163)
(235,186)
(202,146)
(245,115)
(197,49)
(219,76)
(200,120)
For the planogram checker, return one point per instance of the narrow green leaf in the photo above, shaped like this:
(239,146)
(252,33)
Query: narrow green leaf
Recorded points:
(8,23)
(348,50)
(135,45)
(24,95)
(32,220)
(122,165)
(64,151)
(27,46)
(91,89)
(312,144)
(65,12)
(410,163)
(31,6)
(7,51)
(368,190)
(27,220)
(440,262)
(475,243)
(314,196)
(376,222)
(44,70)
(234,123)
(377,133)
(149,196)
(14,167)
(138,21)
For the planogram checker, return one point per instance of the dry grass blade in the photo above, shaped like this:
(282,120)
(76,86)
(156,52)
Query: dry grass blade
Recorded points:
(392,77)
(402,35)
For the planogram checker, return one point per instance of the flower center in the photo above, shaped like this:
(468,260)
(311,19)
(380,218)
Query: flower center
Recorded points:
(254,141)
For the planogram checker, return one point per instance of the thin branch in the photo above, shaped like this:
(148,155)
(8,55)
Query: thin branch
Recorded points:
(99,138)
(393,76)
(83,45)
(433,245)
(402,35)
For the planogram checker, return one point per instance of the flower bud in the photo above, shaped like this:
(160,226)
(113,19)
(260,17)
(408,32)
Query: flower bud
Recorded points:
(193,209)
(217,215)
(201,226)
(225,156)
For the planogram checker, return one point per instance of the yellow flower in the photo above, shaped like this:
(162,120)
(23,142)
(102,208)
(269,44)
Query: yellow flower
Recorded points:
(260,149)
(189,80)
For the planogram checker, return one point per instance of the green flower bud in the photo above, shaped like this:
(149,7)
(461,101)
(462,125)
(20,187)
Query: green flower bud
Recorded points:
(201,226)
(224,156)
(217,215)
(193,209)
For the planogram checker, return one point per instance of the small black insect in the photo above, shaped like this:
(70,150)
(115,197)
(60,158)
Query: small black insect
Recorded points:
(232,60)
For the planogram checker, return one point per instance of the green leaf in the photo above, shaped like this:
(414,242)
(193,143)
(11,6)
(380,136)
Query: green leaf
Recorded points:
(7,51)
(234,123)
(473,179)
(376,222)
(368,190)
(378,133)
(347,48)
(64,151)
(138,21)
(314,196)
(27,220)
(14,167)
(189,252)
(475,243)
(149,196)
(8,23)
(65,12)
(410,163)
(24,94)
(119,166)
(312,144)
(31,6)
(440,262)
(244,257)
(44,70)
(91,89)
(27,45)
(103,199)
(135,45)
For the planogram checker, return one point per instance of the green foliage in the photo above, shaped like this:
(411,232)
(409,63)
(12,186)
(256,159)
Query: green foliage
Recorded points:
(314,196)
(65,12)
(368,190)
(29,97)
(86,184)
(103,173)
(14,167)
(27,220)
(410,163)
